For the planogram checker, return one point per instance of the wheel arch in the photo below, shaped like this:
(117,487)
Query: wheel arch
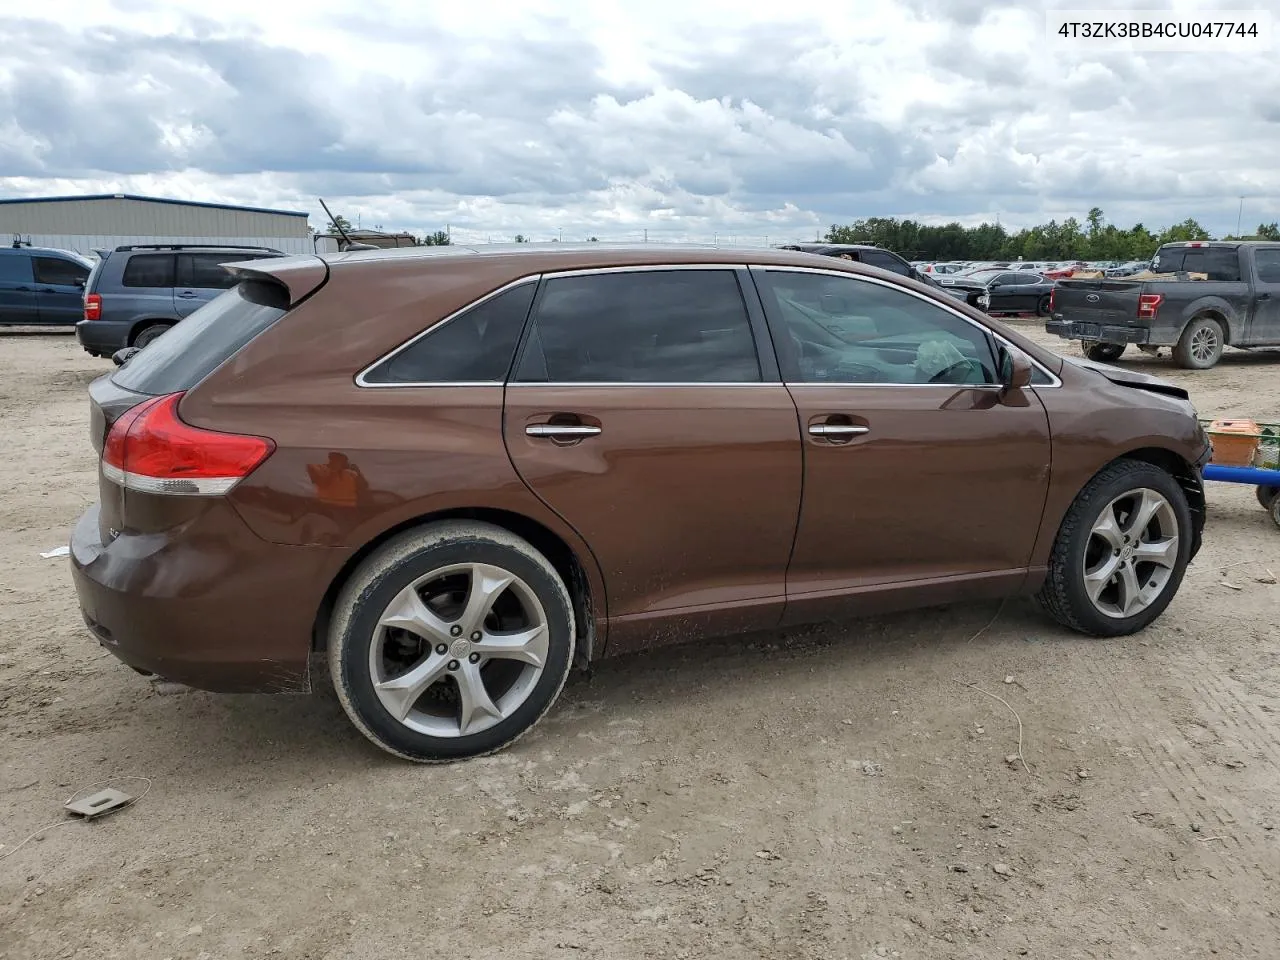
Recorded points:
(588,609)
(1187,475)
(146,323)
(1211,310)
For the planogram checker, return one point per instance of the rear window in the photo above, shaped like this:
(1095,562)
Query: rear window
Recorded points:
(1220,263)
(149,270)
(198,345)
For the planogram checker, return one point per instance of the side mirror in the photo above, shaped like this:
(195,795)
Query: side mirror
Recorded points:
(995,283)
(1015,368)
(123,356)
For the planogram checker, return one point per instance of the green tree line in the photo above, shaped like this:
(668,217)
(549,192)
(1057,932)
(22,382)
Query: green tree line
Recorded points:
(1095,239)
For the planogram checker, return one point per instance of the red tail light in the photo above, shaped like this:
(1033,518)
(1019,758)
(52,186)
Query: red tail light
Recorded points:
(1149,305)
(151,450)
(93,307)
(1053,293)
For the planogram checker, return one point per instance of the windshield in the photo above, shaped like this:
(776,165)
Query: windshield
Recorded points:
(983,276)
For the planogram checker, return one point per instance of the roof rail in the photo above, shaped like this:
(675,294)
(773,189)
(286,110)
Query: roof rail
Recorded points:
(194,246)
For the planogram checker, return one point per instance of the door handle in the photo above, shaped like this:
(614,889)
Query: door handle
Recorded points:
(561,431)
(187,295)
(48,290)
(837,430)
(1264,296)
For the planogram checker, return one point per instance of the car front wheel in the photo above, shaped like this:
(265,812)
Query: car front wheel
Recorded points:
(1121,551)
(451,641)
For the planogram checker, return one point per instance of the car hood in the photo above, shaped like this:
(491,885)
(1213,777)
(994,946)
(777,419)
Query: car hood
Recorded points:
(1131,378)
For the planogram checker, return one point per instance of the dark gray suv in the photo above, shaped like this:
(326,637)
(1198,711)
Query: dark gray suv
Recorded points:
(137,292)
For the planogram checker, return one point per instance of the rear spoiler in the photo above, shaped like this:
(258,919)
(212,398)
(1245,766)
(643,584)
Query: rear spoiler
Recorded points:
(301,276)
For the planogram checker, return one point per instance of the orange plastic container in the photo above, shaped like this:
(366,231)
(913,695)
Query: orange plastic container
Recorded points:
(1234,442)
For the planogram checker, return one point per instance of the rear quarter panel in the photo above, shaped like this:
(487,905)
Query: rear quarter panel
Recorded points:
(352,463)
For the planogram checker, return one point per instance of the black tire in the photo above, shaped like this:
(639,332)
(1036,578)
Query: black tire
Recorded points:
(397,564)
(149,335)
(1063,594)
(1101,352)
(1201,344)
(1266,496)
(1042,307)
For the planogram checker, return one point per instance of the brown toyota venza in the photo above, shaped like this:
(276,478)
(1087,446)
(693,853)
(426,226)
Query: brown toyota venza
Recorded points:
(460,471)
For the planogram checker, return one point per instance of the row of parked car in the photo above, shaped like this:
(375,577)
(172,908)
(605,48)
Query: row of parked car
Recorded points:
(1054,270)
(123,297)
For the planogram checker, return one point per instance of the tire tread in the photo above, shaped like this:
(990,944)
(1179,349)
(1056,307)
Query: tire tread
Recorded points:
(1054,595)
(384,560)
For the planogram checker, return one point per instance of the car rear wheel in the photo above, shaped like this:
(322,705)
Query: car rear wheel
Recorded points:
(150,335)
(1101,352)
(1042,307)
(1121,551)
(1201,344)
(451,641)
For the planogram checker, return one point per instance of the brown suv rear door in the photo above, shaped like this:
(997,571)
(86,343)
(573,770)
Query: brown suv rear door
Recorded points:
(644,411)
(924,480)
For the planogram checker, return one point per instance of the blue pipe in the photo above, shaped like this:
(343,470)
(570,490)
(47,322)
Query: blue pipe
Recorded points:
(1253,475)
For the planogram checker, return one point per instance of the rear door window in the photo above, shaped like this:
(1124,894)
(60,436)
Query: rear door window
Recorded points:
(885,261)
(15,268)
(56,271)
(149,270)
(646,326)
(198,345)
(1267,262)
(474,346)
(205,271)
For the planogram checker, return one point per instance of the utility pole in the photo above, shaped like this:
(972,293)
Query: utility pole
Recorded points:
(1239,216)
(646,235)
(562,234)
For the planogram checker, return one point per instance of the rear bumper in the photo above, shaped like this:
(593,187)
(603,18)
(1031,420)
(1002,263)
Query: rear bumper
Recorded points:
(1102,332)
(102,338)
(209,605)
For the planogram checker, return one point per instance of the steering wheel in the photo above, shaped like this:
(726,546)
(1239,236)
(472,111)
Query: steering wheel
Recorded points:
(966,365)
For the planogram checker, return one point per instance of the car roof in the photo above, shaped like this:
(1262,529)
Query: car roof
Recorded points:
(42,250)
(829,248)
(552,257)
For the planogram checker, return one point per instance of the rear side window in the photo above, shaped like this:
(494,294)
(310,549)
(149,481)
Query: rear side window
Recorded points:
(648,326)
(1267,261)
(885,261)
(149,270)
(58,272)
(474,346)
(15,268)
(198,345)
(205,271)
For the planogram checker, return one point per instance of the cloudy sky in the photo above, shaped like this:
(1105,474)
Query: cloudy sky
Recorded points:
(687,119)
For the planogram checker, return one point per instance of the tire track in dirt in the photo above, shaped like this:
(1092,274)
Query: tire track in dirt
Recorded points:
(1155,738)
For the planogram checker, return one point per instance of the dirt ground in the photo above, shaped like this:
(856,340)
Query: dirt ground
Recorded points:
(829,793)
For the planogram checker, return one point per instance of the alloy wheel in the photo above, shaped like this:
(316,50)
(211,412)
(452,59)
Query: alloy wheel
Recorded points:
(1204,344)
(459,650)
(1131,554)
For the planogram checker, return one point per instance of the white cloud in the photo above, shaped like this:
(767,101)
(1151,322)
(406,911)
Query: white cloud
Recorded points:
(684,119)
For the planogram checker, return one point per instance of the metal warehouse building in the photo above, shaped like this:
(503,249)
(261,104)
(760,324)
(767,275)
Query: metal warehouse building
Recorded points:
(109,220)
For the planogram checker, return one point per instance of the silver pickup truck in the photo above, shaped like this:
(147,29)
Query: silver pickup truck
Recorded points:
(1237,305)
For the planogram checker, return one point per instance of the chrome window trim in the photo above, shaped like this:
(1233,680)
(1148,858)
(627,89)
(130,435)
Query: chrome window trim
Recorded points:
(1054,380)
(361,380)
